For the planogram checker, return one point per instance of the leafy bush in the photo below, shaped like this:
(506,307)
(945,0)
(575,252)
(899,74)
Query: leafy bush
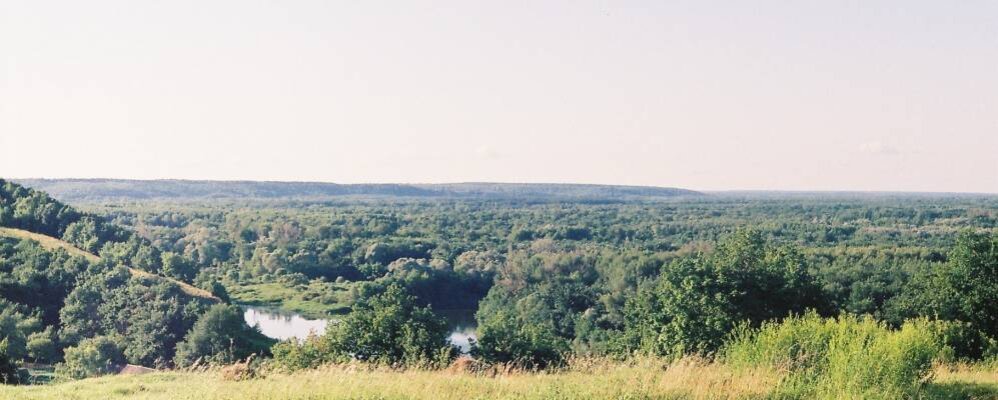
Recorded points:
(963,289)
(42,346)
(388,328)
(845,357)
(505,339)
(964,342)
(698,300)
(8,366)
(92,357)
(293,355)
(220,336)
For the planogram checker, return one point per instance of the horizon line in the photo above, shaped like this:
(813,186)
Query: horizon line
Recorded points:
(717,191)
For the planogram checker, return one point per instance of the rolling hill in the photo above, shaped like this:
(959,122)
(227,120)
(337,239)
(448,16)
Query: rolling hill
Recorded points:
(96,190)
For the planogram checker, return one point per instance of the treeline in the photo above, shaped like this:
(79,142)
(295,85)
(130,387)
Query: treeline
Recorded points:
(81,190)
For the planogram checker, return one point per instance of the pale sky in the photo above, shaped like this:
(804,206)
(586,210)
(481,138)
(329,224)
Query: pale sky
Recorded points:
(770,95)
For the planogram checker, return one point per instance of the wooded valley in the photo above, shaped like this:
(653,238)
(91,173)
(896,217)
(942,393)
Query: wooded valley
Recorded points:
(831,295)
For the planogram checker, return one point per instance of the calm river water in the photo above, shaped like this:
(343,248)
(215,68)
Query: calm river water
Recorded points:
(283,325)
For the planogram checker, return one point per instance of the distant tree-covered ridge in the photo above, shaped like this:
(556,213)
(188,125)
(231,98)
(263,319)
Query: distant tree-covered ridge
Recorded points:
(114,189)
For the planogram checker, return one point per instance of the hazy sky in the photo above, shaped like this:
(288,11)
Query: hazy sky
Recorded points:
(803,95)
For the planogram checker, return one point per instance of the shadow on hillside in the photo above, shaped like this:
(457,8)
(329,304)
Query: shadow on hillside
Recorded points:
(961,391)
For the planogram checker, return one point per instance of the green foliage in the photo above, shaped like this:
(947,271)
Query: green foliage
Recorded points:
(964,289)
(91,357)
(845,357)
(35,278)
(9,374)
(52,299)
(150,317)
(972,276)
(220,336)
(293,355)
(32,210)
(697,301)
(12,331)
(391,329)
(43,346)
(388,328)
(218,290)
(556,279)
(964,342)
(177,266)
(506,339)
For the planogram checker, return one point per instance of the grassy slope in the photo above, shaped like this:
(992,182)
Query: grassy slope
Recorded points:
(52,243)
(644,379)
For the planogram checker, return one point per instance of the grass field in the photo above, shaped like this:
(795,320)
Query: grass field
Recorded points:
(52,243)
(645,379)
(314,300)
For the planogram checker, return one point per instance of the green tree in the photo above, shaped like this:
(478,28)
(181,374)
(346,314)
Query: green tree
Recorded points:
(971,281)
(42,346)
(505,338)
(697,301)
(8,368)
(388,328)
(83,234)
(964,289)
(92,357)
(177,266)
(220,336)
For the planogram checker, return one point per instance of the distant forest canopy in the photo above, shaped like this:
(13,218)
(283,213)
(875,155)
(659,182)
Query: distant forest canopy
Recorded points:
(95,190)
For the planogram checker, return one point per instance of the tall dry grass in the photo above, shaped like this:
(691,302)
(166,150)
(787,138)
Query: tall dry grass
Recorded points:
(581,379)
(642,378)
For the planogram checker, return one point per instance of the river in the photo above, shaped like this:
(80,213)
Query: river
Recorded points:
(284,325)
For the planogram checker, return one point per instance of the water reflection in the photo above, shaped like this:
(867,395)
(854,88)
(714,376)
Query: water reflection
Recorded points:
(284,325)
(462,327)
(280,325)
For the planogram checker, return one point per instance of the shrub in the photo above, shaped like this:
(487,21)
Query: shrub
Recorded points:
(293,355)
(388,328)
(220,336)
(847,357)
(42,346)
(964,342)
(506,339)
(697,301)
(8,367)
(92,357)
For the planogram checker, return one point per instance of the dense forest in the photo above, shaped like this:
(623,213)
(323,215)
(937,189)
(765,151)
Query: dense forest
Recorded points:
(554,272)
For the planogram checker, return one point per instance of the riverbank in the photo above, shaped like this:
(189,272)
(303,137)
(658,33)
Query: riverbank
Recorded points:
(315,300)
(635,380)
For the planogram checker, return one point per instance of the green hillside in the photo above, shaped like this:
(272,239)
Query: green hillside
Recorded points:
(51,243)
(60,299)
